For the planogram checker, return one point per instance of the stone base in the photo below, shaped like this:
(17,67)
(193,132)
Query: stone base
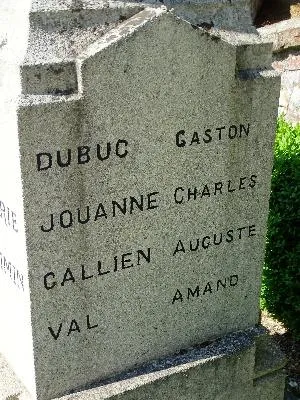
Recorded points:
(241,366)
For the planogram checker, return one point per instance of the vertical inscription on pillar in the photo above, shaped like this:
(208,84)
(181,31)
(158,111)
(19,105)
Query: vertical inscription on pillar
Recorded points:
(8,217)
(11,271)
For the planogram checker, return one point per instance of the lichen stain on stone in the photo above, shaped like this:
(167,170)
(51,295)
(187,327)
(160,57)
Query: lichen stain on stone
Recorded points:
(3,42)
(77,5)
(56,70)
(215,38)
(62,92)
(13,397)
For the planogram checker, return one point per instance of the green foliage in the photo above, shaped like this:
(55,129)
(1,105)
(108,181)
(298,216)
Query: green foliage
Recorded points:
(281,276)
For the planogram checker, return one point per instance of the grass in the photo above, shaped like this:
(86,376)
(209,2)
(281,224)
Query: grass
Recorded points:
(280,294)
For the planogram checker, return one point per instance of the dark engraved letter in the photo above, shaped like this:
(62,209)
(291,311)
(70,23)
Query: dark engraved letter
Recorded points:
(233,280)
(240,231)
(252,231)
(46,284)
(102,214)
(64,164)
(206,246)
(99,269)
(244,129)
(196,246)
(51,225)
(146,257)
(232,132)
(175,195)
(229,236)
(43,164)
(87,218)
(133,201)
(242,183)
(83,154)
(108,150)
(116,263)
(220,131)
(217,242)
(192,193)
(74,327)
(179,247)
(117,205)
(207,288)
(55,335)
(220,283)
(208,137)
(193,293)
(218,187)
(69,218)
(205,191)
(252,181)
(195,138)
(126,261)
(152,200)
(125,151)
(68,276)
(83,275)
(177,296)
(88,324)
(180,142)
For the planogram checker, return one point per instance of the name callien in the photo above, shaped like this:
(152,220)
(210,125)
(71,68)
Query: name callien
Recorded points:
(74,275)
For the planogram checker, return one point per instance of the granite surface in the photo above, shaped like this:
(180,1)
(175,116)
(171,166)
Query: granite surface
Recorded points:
(236,15)
(145,165)
(224,369)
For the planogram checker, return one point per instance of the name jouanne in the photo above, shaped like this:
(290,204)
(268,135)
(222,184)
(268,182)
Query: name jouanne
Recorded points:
(144,203)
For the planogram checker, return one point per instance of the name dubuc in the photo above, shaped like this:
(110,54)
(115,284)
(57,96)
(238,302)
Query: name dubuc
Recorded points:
(119,149)
(143,202)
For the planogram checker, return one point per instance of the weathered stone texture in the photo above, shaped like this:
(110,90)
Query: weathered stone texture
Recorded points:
(145,171)
(221,370)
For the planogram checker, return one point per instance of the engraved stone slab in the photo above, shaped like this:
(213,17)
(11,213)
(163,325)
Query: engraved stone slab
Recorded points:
(145,193)
(222,369)
(15,332)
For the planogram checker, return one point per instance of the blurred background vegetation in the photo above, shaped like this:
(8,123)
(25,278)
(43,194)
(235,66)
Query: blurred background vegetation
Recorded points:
(280,294)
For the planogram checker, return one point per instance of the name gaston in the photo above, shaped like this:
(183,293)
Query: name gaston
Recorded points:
(120,149)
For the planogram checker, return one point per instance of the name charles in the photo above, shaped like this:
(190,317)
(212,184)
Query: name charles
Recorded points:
(145,203)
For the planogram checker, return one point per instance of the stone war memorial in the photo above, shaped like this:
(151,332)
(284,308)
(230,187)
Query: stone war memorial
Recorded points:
(137,149)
